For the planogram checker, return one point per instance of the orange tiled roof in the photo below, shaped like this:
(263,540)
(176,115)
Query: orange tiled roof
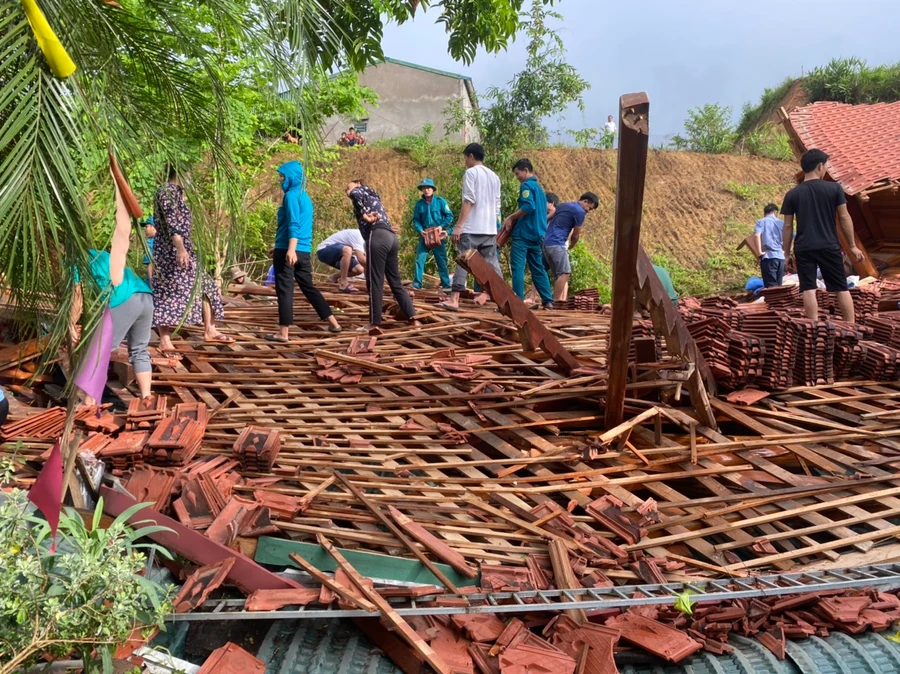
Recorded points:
(862,141)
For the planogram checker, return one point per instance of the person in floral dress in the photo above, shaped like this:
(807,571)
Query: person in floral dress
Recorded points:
(177,299)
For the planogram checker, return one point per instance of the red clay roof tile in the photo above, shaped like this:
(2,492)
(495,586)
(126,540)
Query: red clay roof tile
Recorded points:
(862,141)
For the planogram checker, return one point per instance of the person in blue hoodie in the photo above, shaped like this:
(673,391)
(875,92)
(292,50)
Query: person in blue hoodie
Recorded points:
(432,211)
(4,407)
(528,226)
(291,257)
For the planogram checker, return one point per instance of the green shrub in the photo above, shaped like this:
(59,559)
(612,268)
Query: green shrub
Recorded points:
(744,191)
(767,141)
(771,97)
(707,129)
(87,596)
(589,272)
(850,80)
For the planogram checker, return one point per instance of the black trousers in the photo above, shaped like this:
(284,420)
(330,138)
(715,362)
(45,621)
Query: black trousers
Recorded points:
(382,250)
(4,410)
(772,271)
(284,286)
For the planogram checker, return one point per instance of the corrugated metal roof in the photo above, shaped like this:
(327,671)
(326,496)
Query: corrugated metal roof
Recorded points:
(321,647)
(329,646)
(838,654)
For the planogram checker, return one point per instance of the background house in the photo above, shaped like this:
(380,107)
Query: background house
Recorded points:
(409,97)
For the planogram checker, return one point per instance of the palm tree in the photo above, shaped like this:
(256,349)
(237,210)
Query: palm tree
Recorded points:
(150,84)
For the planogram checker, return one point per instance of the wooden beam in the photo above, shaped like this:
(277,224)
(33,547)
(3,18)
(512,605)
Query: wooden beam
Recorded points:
(344,592)
(398,532)
(402,627)
(634,131)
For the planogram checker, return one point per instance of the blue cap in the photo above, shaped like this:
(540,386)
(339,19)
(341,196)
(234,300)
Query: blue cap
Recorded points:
(427,182)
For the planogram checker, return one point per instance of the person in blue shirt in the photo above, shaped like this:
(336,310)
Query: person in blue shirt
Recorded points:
(527,227)
(563,233)
(770,242)
(131,311)
(291,257)
(432,211)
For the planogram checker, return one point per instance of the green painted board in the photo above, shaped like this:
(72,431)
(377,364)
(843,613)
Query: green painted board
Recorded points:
(274,551)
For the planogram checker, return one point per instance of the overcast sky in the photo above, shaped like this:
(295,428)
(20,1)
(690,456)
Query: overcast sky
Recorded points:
(683,53)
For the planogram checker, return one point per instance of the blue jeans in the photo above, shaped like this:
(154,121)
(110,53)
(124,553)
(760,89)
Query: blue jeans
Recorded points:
(532,253)
(440,258)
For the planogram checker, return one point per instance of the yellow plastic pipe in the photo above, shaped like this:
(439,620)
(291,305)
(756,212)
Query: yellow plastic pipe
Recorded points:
(60,63)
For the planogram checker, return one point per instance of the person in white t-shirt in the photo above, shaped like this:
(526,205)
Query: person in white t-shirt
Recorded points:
(344,250)
(610,126)
(479,219)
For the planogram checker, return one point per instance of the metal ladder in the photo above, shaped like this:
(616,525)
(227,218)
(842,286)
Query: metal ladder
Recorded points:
(588,599)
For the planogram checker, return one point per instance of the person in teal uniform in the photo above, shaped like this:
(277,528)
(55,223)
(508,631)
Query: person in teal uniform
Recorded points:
(528,226)
(432,211)
(131,310)
(666,279)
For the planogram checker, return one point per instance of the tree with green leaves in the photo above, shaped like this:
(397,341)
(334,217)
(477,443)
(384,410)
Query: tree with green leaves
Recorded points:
(169,81)
(512,118)
(707,129)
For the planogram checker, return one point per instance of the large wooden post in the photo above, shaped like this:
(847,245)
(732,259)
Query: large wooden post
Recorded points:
(634,130)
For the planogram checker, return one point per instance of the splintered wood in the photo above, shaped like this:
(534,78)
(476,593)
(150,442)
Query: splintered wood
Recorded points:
(454,445)
(485,454)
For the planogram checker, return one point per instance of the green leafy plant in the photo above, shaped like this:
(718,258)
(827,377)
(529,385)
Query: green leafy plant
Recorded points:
(86,597)
(511,119)
(767,141)
(851,80)
(707,129)
(585,137)
(770,98)
(589,272)
(744,191)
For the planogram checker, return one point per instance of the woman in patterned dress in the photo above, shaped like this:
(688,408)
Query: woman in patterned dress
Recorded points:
(176,299)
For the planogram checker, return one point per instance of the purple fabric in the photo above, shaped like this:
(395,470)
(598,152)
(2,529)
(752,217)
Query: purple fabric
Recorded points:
(92,369)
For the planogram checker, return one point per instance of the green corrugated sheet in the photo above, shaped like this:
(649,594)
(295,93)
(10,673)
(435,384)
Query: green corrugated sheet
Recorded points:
(274,551)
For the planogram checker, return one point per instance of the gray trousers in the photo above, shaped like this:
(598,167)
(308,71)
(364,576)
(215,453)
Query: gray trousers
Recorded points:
(486,244)
(132,320)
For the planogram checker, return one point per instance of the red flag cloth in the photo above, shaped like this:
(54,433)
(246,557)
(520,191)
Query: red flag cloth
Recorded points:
(47,491)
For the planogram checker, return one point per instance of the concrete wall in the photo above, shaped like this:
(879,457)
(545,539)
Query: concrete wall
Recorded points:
(408,99)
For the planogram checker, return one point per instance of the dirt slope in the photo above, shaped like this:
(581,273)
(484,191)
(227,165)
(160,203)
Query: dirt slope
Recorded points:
(697,207)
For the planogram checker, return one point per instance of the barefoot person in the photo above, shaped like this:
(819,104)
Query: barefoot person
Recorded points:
(432,211)
(176,271)
(345,251)
(291,257)
(382,253)
(479,217)
(815,203)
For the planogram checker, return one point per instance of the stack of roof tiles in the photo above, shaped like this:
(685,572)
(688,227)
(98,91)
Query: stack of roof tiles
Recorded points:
(781,297)
(813,350)
(257,448)
(144,413)
(176,439)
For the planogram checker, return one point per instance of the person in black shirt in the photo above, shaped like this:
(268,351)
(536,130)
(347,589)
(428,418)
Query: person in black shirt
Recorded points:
(815,203)
(382,253)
